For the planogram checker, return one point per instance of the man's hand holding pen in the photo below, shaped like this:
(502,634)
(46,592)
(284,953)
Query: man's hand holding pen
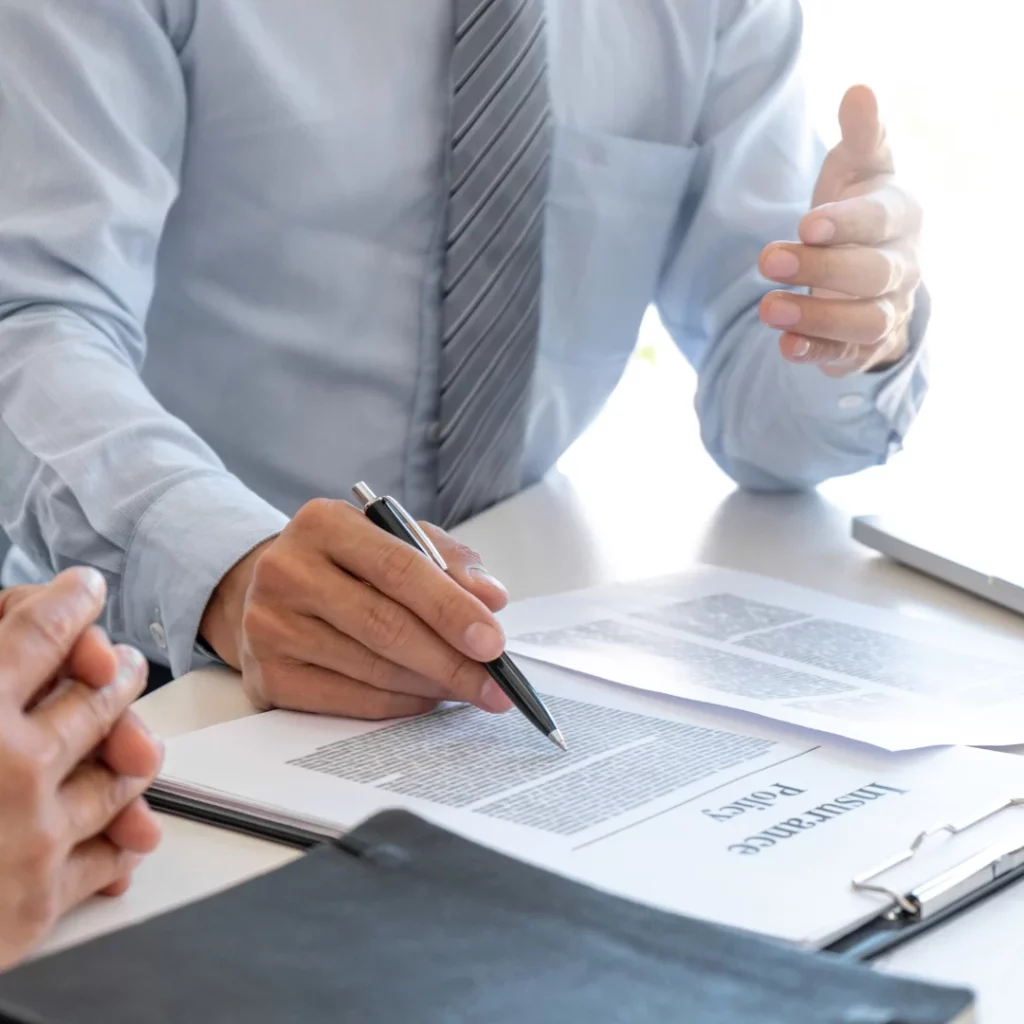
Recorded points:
(297,618)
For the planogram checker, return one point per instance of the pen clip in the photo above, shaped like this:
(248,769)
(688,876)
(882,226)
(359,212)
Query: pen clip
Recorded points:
(417,531)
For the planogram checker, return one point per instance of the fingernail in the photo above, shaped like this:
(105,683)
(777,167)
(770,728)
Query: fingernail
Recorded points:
(92,580)
(781,264)
(132,665)
(493,699)
(781,313)
(818,232)
(801,348)
(481,575)
(485,643)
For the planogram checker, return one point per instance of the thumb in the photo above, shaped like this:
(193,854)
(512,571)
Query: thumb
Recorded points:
(864,144)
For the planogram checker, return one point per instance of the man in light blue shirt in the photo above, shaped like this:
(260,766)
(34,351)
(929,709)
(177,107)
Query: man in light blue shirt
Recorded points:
(253,252)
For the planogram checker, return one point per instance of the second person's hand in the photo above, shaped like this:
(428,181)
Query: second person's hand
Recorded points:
(129,749)
(298,619)
(859,255)
(60,805)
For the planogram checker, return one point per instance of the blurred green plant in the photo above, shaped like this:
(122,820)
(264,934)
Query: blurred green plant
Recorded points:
(646,352)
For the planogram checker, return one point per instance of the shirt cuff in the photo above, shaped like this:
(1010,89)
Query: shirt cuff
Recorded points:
(181,549)
(891,399)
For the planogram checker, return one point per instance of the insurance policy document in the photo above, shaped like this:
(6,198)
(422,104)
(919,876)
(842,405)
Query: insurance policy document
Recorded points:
(699,811)
(795,655)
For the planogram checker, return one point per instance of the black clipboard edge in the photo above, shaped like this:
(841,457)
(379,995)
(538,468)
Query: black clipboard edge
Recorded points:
(252,825)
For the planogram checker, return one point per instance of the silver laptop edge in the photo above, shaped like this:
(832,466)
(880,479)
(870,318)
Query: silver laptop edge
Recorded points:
(873,532)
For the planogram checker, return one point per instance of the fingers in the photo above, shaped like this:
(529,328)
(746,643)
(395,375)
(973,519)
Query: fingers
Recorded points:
(38,634)
(78,718)
(881,215)
(320,691)
(283,643)
(398,572)
(14,596)
(856,271)
(136,829)
(95,866)
(310,641)
(131,749)
(118,888)
(93,797)
(93,660)
(465,566)
(866,322)
(837,360)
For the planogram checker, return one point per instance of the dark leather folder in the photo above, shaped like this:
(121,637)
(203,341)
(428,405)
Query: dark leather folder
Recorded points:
(404,921)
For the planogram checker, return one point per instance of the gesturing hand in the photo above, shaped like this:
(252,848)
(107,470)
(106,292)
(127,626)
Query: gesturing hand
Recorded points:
(299,620)
(58,803)
(859,257)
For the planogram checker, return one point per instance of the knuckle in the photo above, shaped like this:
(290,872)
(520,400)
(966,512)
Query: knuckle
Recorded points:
(315,514)
(97,708)
(450,608)
(377,671)
(891,274)
(464,553)
(262,628)
(258,686)
(883,320)
(25,770)
(44,847)
(51,622)
(273,573)
(109,795)
(387,626)
(396,566)
(912,276)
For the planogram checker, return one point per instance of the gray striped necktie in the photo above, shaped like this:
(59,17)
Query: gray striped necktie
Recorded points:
(492,279)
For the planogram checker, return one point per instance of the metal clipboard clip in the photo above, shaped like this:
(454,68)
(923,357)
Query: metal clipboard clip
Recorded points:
(963,880)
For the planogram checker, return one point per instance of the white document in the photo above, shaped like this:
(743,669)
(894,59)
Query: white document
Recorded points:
(795,655)
(756,826)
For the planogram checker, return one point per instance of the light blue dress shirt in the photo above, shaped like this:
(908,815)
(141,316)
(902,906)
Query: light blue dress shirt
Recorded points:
(220,252)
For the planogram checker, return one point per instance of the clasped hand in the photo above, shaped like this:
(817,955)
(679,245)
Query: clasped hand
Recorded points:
(74,761)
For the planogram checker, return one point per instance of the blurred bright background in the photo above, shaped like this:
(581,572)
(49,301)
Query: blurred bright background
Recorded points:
(950,78)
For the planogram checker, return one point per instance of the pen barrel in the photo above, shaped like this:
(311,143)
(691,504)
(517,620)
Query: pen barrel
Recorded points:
(381,514)
(518,690)
(389,516)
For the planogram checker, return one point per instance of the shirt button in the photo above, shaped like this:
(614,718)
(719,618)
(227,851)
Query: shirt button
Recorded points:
(156,631)
(851,401)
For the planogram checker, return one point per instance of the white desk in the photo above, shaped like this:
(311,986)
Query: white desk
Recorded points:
(565,535)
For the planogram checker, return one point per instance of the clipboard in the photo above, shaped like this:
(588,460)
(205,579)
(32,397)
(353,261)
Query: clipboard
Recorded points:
(905,915)
(934,900)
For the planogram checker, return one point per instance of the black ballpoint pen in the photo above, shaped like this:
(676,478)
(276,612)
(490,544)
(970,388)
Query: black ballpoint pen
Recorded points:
(389,515)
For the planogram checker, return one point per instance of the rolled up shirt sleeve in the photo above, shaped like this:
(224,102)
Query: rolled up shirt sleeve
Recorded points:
(768,423)
(93,111)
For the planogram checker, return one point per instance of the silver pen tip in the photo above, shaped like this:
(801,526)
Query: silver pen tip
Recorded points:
(557,737)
